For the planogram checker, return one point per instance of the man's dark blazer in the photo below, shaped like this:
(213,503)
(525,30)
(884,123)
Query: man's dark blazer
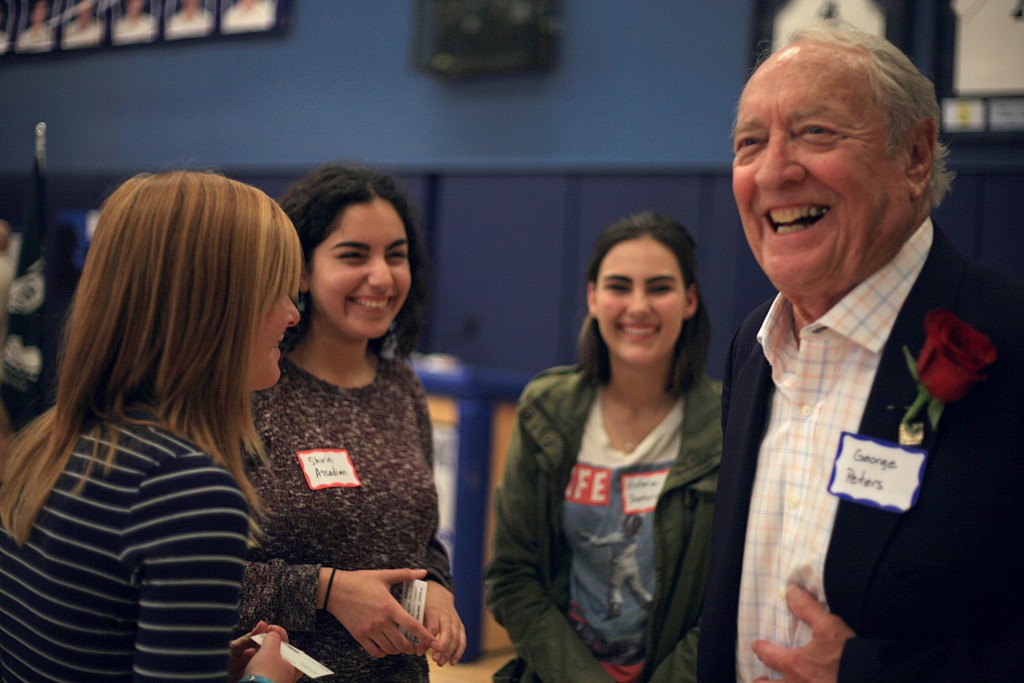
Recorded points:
(935,593)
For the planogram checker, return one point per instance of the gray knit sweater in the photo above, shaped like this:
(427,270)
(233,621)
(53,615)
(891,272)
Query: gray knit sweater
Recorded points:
(388,521)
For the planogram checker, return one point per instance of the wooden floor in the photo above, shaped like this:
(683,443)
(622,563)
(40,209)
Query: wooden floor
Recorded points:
(479,670)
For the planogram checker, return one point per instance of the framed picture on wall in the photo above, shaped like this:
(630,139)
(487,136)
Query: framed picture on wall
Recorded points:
(82,25)
(135,21)
(247,16)
(36,32)
(189,19)
(777,19)
(980,67)
(67,27)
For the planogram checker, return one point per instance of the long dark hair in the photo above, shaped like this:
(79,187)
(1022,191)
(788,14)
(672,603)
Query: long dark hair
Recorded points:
(691,352)
(316,202)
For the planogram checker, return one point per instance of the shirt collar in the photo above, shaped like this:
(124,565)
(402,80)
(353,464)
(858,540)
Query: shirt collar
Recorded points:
(867,313)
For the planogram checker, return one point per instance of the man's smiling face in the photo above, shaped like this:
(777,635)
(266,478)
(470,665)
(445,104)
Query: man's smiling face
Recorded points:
(823,200)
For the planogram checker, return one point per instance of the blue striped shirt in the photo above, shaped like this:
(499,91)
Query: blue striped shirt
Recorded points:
(135,577)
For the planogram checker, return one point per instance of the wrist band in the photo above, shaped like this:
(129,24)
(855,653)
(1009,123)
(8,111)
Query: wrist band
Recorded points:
(253,678)
(327,593)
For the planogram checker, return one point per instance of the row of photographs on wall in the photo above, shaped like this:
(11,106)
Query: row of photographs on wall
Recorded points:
(49,26)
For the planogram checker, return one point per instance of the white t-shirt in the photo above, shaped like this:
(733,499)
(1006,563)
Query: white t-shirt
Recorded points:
(241,18)
(181,26)
(139,30)
(34,40)
(76,35)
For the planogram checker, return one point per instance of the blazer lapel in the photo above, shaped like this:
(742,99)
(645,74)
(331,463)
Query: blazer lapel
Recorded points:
(861,532)
(745,408)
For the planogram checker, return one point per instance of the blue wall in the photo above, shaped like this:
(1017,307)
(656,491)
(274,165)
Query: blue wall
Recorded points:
(651,85)
(514,174)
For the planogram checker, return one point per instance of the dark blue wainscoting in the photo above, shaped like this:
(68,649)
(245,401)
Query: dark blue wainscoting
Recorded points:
(508,251)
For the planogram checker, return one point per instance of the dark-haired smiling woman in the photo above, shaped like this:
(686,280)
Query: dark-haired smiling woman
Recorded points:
(350,507)
(603,513)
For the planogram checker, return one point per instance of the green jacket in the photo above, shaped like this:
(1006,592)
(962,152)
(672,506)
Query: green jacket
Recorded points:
(528,577)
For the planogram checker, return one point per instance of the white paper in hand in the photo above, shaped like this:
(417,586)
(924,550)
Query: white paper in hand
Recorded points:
(297,658)
(414,598)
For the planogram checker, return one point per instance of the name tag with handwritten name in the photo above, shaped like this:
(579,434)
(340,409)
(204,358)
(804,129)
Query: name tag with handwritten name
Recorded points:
(877,473)
(327,467)
(640,491)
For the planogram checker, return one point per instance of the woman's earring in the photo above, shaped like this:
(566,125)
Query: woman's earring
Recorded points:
(300,303)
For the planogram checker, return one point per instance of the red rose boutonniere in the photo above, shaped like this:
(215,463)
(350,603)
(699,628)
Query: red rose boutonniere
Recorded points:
(950,363)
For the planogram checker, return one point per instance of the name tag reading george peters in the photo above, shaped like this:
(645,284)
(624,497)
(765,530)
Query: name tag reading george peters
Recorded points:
(877,473)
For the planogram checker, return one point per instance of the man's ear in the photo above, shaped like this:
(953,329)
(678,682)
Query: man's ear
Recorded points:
(919,157)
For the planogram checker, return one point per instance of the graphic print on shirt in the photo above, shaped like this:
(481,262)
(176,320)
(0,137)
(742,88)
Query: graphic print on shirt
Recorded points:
(608,520)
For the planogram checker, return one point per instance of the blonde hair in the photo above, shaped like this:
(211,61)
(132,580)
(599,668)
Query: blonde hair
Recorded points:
(181,270)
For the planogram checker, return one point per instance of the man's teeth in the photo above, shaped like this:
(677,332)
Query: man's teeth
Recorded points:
(793,220)
(788,229)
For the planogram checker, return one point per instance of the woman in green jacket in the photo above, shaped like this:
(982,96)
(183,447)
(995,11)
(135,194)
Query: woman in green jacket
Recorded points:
(603,513)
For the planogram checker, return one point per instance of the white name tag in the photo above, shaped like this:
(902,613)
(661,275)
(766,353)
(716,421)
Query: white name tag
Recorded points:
(640,491)
(414,600)
(877,473)
(327,467)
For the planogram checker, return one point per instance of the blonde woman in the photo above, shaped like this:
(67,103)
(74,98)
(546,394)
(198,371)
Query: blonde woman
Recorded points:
(125,506)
